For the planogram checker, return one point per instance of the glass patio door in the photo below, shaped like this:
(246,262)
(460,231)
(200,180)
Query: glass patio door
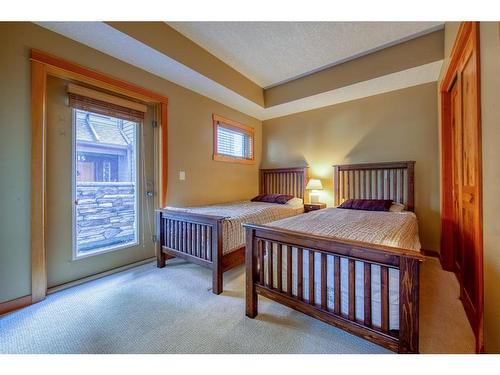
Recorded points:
(100,189)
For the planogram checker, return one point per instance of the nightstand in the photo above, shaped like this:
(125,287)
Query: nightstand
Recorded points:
(308,207)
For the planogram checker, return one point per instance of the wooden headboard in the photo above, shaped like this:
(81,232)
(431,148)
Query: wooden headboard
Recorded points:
(391,180)
(291,181)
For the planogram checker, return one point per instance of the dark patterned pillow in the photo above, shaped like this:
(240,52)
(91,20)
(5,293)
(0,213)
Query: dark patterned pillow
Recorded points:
(272,198)
(367,204)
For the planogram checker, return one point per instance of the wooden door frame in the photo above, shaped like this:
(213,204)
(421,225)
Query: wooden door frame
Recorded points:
(44,65)
(467,37)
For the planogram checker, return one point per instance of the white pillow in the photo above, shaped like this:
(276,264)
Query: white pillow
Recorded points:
(295,202)
(397,207)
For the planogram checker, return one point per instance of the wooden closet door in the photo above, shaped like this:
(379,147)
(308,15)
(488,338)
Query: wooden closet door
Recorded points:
(470,208)
(462,243)
(456,131)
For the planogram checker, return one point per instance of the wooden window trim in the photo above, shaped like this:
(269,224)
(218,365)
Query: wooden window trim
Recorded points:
(216,119)
(233,160)
(42,66)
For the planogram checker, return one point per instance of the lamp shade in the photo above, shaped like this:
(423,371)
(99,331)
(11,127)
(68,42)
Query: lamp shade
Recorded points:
(314,184)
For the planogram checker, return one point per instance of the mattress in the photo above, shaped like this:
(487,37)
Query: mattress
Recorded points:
(396,229)
(238,213)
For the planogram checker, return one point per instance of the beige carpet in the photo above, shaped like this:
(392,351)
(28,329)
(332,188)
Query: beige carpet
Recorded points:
(444,327)
(170,310)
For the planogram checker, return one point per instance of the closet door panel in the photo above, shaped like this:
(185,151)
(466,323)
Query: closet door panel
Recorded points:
(456,123)
(470,208)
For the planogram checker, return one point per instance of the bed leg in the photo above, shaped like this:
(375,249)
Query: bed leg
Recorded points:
(161,259)
(217,255)
(160,255)
(217,281)
(251,300)
(409,270)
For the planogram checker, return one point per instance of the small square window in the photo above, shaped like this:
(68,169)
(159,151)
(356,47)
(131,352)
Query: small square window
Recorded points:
(233,142)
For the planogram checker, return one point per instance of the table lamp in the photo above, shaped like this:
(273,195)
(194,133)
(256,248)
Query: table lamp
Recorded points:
(314,185)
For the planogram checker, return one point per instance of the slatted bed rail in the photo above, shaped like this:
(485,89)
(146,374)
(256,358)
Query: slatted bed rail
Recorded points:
(194,237)
(318,276)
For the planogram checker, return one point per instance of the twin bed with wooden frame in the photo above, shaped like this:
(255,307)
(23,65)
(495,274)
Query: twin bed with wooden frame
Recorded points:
(329,277)
(203,238)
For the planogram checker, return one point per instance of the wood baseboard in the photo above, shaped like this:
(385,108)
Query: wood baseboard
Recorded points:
(15,304)
(70,284)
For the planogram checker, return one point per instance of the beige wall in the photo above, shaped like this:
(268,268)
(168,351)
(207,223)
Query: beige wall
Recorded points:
(490,113)
(400,125)
(190,143)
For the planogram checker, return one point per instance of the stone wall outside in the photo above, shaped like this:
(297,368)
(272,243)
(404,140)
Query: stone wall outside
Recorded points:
(105,214)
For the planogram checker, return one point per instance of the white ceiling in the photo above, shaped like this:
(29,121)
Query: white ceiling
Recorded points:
(270,53)
(104,38)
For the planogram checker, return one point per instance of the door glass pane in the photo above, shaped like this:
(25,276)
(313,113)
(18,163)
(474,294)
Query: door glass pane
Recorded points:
(105,183)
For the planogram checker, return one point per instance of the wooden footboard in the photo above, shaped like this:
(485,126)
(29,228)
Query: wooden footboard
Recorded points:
(194,237)
(272,246)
